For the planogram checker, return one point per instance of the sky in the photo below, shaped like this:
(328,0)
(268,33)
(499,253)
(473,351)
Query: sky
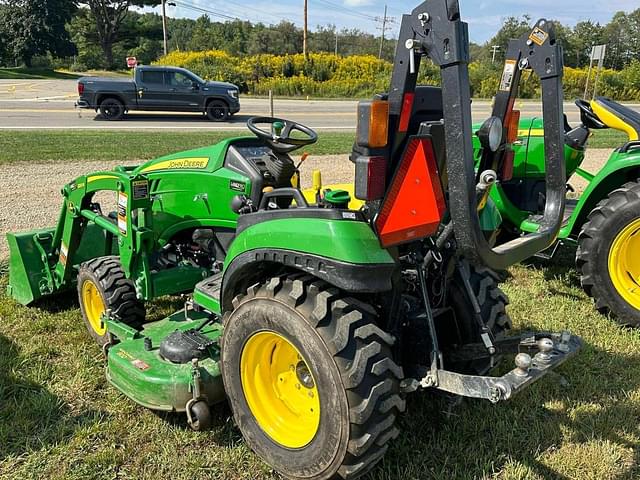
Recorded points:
(484,16)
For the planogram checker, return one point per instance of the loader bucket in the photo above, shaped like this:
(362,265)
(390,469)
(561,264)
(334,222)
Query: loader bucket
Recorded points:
(27,265)
(29,273)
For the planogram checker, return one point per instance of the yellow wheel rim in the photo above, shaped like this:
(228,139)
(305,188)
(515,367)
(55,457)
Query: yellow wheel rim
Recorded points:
(93,306)
(624,263)
(280,390)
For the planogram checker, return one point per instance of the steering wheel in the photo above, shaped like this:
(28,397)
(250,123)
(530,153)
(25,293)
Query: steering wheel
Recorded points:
(587,116)
(279,135)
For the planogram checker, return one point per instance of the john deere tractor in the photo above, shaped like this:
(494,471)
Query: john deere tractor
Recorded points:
(604,221)
(314,319)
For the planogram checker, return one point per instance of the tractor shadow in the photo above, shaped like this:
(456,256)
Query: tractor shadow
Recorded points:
(222,432)
(583,411)
(31,417)
(561,268)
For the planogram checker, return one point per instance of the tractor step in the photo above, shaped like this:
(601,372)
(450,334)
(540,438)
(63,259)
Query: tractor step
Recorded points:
(207,293)
(551,351)
(569,208)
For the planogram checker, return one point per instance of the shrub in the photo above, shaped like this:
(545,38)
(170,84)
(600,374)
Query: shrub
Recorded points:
(357,76)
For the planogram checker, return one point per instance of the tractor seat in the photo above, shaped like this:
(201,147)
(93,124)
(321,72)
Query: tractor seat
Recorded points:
(617,116)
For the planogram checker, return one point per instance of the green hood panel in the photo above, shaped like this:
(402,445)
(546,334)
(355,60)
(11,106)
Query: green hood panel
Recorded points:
(346,241)
(206,158)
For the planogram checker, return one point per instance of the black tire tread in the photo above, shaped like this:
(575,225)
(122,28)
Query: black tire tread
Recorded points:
(120,293)
(362,351)
(589,239)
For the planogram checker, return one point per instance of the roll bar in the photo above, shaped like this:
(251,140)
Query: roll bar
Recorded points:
(434,30)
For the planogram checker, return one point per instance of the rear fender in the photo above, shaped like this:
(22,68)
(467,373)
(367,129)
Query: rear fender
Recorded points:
(345,253)
(619,169)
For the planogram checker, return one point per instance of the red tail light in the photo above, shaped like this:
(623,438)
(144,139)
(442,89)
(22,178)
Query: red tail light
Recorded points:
(80,88)
(415,204)
(371,175)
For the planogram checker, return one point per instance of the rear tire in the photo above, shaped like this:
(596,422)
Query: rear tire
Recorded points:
(608,255)
(217,111)
(112,109)
(102,285)
(492,301)
(348,360)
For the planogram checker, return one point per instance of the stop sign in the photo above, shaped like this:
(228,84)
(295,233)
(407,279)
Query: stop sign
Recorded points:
(132,62)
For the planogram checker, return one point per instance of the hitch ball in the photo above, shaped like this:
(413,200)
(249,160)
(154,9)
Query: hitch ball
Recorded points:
(523,363)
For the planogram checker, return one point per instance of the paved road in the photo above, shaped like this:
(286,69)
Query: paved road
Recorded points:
(49,104)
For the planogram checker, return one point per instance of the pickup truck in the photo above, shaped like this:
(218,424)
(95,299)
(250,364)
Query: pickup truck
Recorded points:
(156,88)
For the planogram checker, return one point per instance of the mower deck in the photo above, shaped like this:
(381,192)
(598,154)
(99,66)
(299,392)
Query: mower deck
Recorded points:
(136,367)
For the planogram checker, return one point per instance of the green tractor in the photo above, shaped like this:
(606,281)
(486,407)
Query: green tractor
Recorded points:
(604,222)
(313,319)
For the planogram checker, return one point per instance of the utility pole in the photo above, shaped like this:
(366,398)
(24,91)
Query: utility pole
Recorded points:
(164,28)
(305,34)
(336,52)
(495,49)
(384,27)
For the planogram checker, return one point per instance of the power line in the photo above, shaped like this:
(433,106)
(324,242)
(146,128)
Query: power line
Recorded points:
(349,11)
(182,4)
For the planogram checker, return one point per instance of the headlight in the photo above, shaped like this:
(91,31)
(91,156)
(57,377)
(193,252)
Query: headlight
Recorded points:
(233,93)
(490,134)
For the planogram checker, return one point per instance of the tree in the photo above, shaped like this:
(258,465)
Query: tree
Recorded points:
(36,27)
(109,16)
(584,36)
(512,27)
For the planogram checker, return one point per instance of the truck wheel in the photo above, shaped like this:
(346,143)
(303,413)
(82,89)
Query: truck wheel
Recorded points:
(608,256)
(493,302)
(112,109)
(310,378)
(217,111)
(102,286)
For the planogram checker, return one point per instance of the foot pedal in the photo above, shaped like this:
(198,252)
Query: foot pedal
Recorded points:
(207,293)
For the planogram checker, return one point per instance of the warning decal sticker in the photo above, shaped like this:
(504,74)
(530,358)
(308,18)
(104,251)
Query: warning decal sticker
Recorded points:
(140,189)
(507,75)
(122,213)
(64,252)
(538,36)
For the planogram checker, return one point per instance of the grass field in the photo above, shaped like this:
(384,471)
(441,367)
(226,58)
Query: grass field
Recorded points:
(35,74)
(49,74)
(46,145)
(59,418)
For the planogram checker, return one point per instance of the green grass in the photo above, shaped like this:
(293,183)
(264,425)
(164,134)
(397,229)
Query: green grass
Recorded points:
(36,74)
(59,418)
(22,73)
(607,139)
(47,145)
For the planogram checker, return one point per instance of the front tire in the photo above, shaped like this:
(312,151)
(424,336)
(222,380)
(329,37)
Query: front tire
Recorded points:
(217,111)
(310,378)
(112,109)
(608,255)
(102,286)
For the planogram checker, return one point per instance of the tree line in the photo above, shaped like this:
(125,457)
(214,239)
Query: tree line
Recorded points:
(95,34)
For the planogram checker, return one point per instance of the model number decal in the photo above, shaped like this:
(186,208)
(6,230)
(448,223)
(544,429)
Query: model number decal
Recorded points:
(236,185)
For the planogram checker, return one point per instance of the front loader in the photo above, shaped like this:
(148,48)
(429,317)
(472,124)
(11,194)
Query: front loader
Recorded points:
(316,320)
